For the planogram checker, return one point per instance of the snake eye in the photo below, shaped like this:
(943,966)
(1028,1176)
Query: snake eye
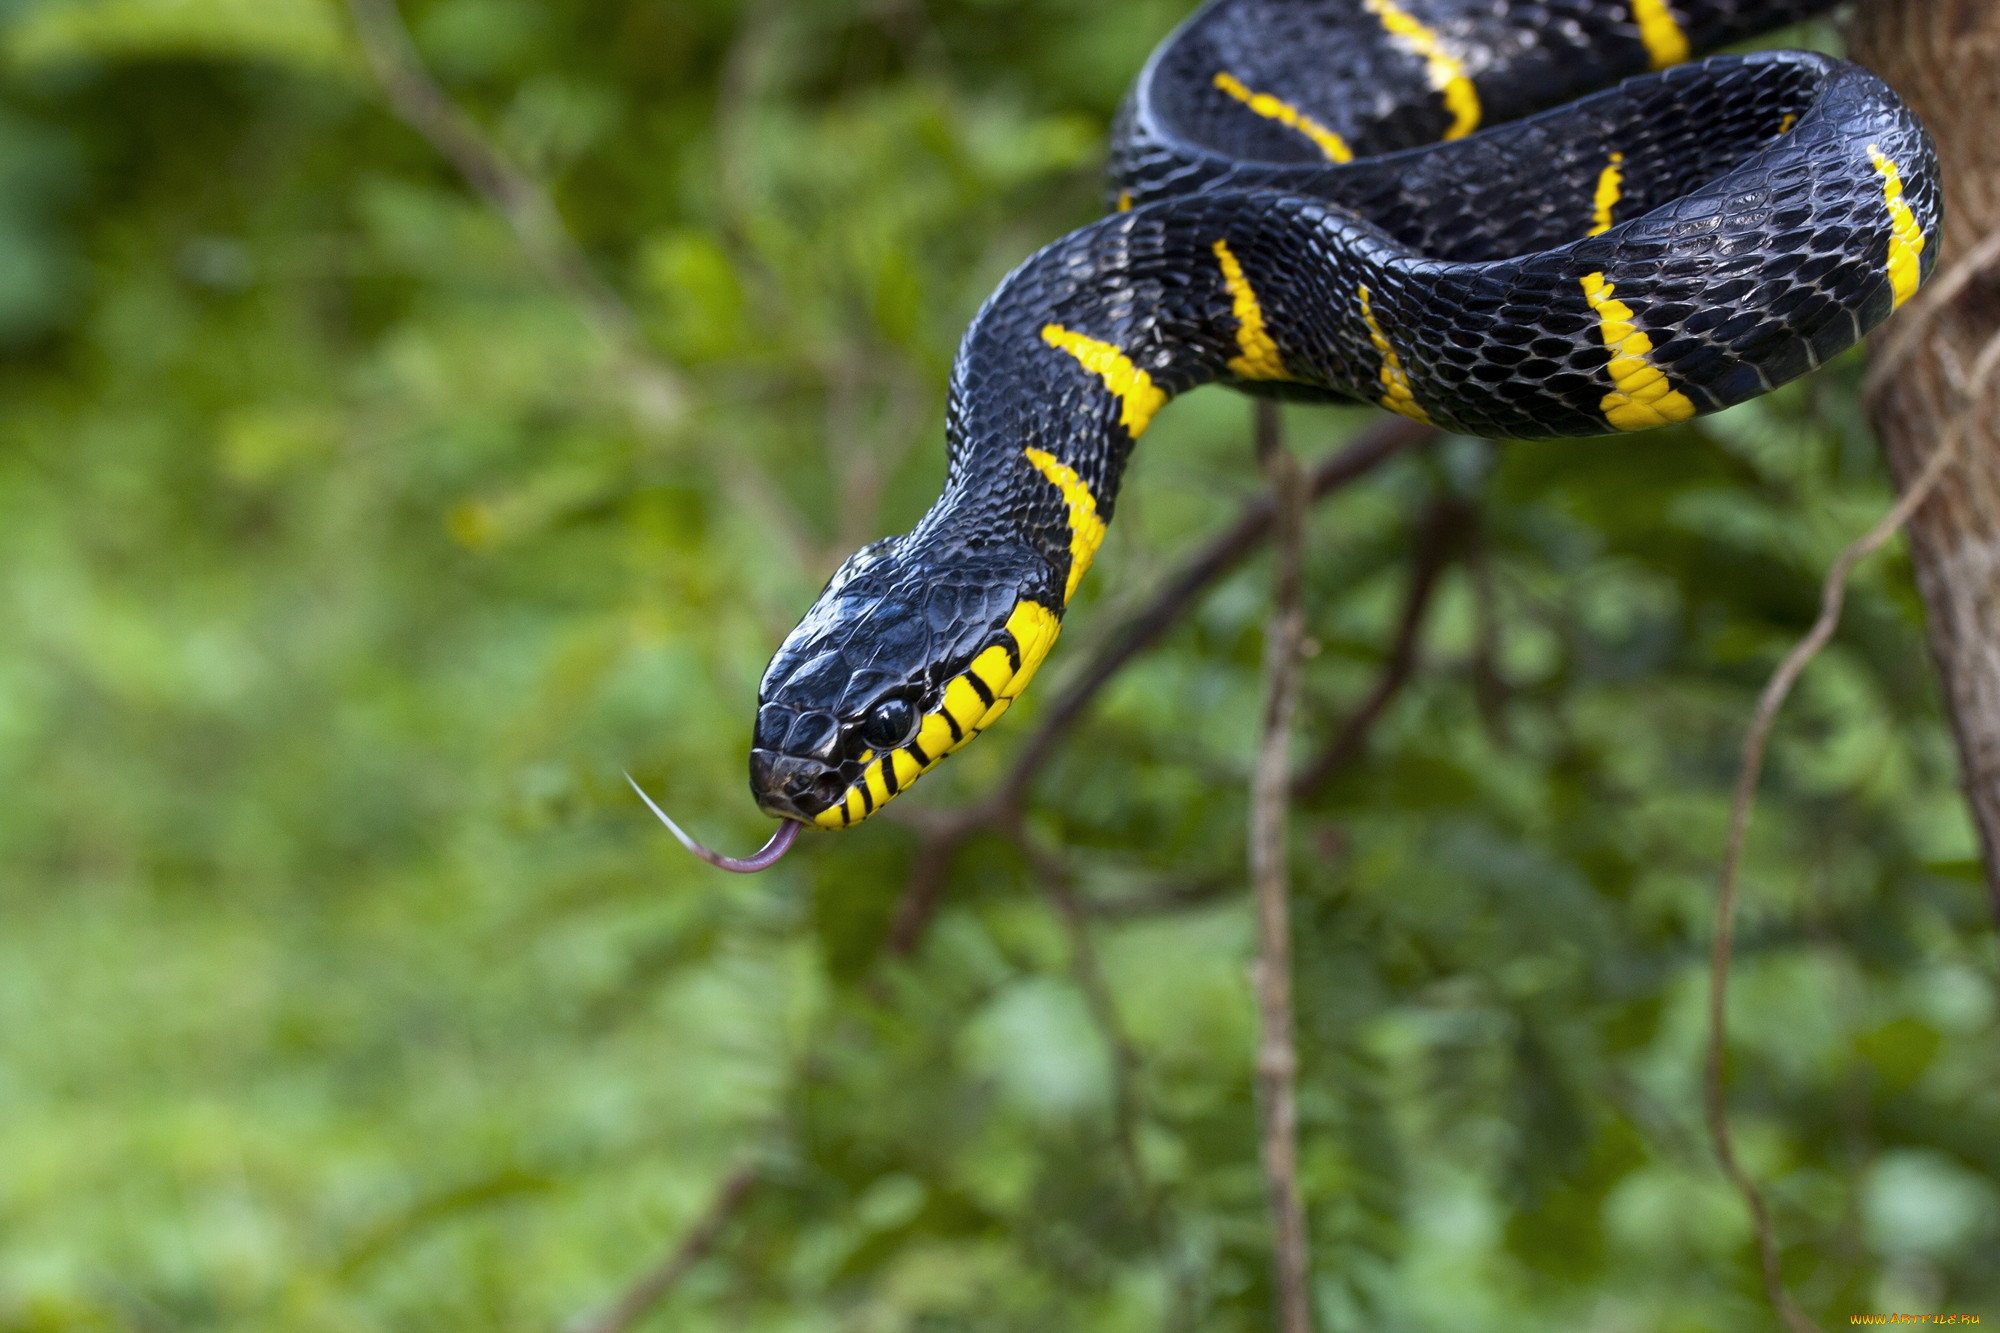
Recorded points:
(888,724)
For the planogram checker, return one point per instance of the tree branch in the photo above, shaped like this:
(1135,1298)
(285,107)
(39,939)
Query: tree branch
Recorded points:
(1270,794)
(945,833)
(1378,444)
(659,396)
(1059,883)
(930,869)
(1439,538)
(654,1285)
(1939,56)
(1161,898)
(1775,694)
(1056,880)
(425,107)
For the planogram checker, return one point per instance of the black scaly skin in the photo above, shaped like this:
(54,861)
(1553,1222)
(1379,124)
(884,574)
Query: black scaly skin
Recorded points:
(1753,236)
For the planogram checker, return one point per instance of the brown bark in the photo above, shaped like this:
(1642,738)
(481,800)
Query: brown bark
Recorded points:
(1943,56)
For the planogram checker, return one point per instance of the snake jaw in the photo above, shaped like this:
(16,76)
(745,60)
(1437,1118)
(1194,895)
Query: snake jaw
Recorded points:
(792,786)
(914,647)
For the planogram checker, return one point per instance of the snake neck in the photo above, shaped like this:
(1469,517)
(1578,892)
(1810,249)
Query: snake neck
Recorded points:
(1075,354)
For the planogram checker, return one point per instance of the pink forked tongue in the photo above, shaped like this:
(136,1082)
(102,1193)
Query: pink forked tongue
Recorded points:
(772,851)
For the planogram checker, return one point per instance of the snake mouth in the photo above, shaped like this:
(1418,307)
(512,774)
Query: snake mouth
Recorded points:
(793,788)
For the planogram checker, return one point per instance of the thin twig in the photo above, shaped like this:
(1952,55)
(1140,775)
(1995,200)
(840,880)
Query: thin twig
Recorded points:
(1439,536)
(1159,899)
(944,834)
(1089,972)
(654,1285)
(426,108)
(1775,694)
(659,396)
(1270,794)
(1126,1071)
(929,871)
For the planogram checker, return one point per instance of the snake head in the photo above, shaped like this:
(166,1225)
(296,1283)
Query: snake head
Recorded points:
(908,653)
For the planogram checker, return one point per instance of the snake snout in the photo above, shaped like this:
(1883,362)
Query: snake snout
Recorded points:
(792,787)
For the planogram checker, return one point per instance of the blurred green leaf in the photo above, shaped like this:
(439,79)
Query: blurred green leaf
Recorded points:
(307,34)
(345,985)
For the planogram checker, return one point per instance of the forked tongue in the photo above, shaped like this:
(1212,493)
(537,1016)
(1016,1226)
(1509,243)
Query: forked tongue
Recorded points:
(763,859)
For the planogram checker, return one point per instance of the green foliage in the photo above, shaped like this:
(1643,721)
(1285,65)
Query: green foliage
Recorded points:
(344,986)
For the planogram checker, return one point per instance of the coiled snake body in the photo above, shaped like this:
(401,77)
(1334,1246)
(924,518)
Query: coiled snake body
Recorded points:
(1362,199)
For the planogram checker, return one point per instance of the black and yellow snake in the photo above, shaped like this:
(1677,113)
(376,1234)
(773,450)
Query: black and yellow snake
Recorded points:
(1415,202)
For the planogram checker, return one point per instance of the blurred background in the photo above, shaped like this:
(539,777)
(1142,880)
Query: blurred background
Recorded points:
(348,558)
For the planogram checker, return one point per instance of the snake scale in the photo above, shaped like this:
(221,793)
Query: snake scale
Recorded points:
(1509,218)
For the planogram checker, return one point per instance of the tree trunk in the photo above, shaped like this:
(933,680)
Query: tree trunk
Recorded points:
(1943,56)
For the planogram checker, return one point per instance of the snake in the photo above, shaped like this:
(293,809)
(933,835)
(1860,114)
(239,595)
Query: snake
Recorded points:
(1511,219)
